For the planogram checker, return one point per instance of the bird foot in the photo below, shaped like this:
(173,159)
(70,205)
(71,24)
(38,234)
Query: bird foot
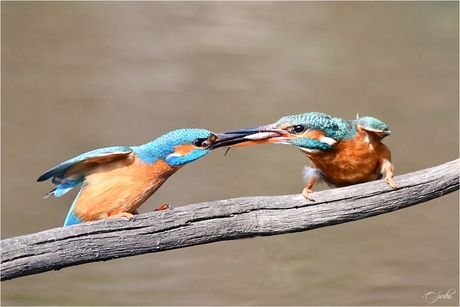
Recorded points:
(163,207)
(306,193)
(388,171)
(390,181)
(125,215)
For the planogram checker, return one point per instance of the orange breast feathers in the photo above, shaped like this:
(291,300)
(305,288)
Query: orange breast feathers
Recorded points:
(355,160)
(120,186)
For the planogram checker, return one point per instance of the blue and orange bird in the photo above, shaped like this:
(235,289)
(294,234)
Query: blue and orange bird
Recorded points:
(117,180)
(342,152)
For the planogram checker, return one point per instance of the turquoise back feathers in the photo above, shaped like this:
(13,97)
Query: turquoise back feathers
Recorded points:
(161,148)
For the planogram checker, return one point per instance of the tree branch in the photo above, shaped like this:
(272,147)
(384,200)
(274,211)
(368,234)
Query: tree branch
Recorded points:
(217,221)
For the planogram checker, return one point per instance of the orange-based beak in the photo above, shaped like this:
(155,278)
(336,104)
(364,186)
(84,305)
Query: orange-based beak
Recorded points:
(250,136)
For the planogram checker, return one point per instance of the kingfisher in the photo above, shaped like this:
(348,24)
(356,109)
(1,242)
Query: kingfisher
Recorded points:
(117,180)
(342,152)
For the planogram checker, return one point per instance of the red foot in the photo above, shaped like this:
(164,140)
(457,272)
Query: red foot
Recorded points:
(163,207)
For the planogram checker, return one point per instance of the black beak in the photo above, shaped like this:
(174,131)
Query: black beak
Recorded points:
(249,136)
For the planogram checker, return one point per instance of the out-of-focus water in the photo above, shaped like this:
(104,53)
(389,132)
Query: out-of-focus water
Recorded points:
(82,75)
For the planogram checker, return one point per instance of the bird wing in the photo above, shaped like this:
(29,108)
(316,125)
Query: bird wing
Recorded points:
(372,125)
(102,155)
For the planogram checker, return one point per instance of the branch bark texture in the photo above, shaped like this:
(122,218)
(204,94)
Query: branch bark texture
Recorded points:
(217,221)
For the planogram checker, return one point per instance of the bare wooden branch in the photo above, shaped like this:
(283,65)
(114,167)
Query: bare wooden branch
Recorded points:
(217,221)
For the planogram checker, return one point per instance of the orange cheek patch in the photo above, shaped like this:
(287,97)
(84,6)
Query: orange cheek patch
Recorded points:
(314,134)
(184,150)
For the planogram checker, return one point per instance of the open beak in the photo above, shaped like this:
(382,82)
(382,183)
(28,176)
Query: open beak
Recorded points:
(249,136)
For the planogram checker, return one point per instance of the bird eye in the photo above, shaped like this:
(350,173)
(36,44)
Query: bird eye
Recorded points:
(199,142)
(298,128)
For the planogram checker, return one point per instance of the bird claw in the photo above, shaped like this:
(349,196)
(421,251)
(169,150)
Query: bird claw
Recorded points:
(390,181)
(163,207)
(306,193)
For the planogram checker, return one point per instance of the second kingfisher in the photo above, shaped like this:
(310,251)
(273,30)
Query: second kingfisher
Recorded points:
(342,152)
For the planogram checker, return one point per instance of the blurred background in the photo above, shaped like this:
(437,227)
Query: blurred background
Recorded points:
(83,75)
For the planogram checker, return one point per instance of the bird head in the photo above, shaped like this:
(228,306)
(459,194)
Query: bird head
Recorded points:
(182,146)
(310,132)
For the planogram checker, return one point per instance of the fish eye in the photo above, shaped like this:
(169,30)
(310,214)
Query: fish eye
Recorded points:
(298,128)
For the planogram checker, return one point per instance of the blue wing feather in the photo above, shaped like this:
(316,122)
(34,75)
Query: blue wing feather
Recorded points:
(69,174)
(71,218)
(64,188)
(95,156)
